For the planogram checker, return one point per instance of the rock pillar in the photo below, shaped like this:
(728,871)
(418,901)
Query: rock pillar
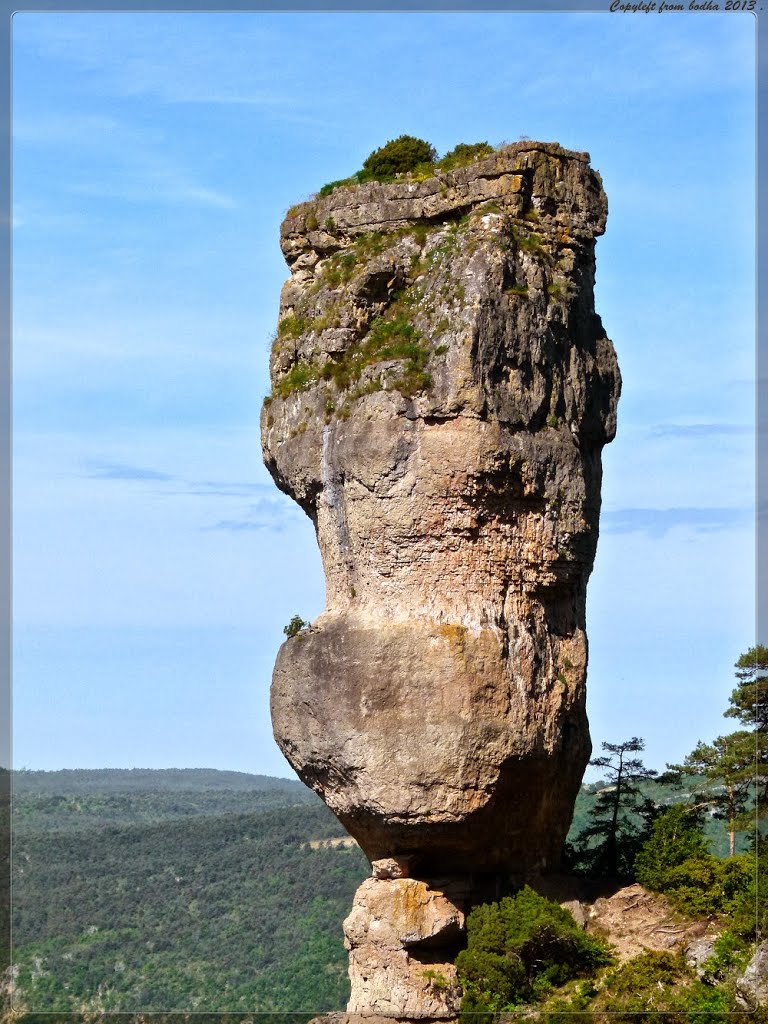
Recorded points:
(442,390)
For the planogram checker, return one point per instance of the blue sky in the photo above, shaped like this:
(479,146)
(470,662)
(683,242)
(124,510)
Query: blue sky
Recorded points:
(154,157)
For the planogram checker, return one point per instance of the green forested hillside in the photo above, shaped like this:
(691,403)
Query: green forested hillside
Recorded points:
(117,780)
(75,799)
(185,890)
(178,909)
(663,795)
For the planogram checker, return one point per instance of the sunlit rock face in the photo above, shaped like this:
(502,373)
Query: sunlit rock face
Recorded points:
(442,390)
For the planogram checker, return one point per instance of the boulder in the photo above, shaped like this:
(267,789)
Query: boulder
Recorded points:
(752,986)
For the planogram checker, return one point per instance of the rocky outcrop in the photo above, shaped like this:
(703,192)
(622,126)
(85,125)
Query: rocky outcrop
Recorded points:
(402,934)
(752,986)
(442,389)
(630,918)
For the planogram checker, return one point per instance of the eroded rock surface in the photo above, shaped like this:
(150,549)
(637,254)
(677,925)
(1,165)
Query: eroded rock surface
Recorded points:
(752,986)
(401,937)
(442,390)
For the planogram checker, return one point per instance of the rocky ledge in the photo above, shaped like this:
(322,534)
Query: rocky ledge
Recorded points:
(441,391)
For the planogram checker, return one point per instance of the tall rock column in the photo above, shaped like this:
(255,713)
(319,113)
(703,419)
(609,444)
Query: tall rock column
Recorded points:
(441,392)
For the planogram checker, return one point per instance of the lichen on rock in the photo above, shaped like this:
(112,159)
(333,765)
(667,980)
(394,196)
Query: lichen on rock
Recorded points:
(401,936)
(441,391)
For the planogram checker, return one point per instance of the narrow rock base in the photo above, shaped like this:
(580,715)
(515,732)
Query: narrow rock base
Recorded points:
(402,937)
(375,1018)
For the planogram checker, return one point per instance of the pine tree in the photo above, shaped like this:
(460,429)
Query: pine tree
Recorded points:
(728,763)
(736,766)
(749,703)
(677,835)
(621,817)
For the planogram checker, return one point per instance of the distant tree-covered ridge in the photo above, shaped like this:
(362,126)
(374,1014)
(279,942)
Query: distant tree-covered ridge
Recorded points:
(76,780)
(78,799)
(208,910)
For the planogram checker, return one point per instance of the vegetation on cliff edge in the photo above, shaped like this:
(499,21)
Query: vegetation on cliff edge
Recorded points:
(136,890)
(408,154)
(628,836)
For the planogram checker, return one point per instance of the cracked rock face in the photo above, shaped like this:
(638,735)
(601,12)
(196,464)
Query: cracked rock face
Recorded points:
(401,935)
(442,390)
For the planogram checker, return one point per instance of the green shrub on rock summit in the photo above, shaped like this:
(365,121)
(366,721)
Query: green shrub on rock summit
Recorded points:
(295,626)
(399,155)
(464,153)
(407,154)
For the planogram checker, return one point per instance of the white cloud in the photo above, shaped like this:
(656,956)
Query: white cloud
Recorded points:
(181,58)
(155,185)
(657,522)
(123,162)
(178,341)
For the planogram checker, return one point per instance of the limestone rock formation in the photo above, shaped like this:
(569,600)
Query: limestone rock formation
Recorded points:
(441,392)
(401,934)
(752,986)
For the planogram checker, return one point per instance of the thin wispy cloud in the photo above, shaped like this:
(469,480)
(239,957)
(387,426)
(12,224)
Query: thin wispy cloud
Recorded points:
(122,471)
(670,64)
(701,430)
(657,522)
(244,525)
(269,515)
(152,189)
(164,58)
(268,508)
(127,162)
(32,215)
(92,131)
(169,340)
(226,489)
(137,170)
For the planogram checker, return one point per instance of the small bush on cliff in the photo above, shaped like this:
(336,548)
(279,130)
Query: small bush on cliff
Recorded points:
(299,377)
(295,626)
(339,183)
(399,155)
(463,154)
(408,153)
(390,337)
(518,948)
